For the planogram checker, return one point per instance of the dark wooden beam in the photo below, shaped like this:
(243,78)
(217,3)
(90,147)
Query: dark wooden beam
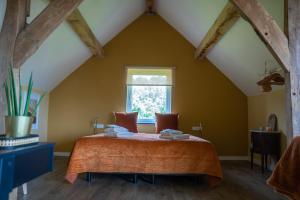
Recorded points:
(294,46)
(31,38)
(266,28)
(80,26)
(221,26)
(12,22)
(150,7)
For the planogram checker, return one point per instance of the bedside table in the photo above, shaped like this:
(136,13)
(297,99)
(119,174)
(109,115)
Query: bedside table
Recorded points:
(265,143)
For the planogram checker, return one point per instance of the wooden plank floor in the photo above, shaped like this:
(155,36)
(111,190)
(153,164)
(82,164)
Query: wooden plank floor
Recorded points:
(240,182)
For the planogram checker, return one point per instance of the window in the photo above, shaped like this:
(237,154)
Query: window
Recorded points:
(148,92)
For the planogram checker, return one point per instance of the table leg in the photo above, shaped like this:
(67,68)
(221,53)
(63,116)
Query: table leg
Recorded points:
(89,177)
(266,161)
(13,195)
(24,186)
(251,159)
(262,163)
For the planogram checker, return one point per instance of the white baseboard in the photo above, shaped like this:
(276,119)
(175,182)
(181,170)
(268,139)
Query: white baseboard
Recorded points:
(62,154)
(234,157)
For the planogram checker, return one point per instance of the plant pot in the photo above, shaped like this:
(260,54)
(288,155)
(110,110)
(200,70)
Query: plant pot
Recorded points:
(18,126)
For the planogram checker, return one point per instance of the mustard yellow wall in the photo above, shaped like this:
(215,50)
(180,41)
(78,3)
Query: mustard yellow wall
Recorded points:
(201,91)
(261,106)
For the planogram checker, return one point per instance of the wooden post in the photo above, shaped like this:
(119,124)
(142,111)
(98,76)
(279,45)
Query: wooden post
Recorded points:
(288,101)
(7,42)
(294,46)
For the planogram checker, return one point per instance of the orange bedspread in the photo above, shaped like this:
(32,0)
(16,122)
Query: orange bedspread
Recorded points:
(144,153)
(286,175)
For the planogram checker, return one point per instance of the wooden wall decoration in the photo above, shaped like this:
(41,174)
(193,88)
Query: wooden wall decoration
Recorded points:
(269,80)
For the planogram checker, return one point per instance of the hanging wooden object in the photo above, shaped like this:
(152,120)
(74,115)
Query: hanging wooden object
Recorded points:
(272,79)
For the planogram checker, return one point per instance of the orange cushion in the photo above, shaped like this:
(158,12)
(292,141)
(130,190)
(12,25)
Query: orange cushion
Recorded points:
(127,120)
(166,121)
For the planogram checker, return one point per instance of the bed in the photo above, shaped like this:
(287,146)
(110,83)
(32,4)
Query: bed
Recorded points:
(144,154)
(286,175)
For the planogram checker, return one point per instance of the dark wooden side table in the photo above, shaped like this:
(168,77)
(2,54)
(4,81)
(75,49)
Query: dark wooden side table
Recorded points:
(265,143)
(20,165)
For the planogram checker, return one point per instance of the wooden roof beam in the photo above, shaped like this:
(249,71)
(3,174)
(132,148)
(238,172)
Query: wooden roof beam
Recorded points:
(221,26)
(266,28)
(80,26)
(150,7)
(31,38)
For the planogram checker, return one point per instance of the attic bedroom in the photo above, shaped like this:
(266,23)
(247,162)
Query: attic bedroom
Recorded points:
(149,99)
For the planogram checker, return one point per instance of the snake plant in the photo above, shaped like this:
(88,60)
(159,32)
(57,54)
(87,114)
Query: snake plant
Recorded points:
(14,104)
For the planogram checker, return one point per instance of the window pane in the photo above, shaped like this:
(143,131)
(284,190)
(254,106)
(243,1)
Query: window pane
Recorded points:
(146,100)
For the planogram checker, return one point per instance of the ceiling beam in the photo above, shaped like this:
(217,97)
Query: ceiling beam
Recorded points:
(31,38)
(266,28)
(221,26)
(80,26)
(150,7)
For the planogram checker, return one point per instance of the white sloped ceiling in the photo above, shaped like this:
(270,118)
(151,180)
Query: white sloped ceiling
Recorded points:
(240,55)
(63,51)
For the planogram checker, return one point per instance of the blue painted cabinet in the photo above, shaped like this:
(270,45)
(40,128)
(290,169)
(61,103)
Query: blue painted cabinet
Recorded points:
(23,164)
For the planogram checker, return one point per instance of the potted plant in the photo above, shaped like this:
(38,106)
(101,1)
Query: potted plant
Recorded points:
(18,120)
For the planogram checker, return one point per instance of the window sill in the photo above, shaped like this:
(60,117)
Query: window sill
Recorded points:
(146,123)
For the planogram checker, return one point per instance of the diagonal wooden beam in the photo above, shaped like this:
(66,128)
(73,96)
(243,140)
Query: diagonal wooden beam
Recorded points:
(221,26)
(266,28)
(31,38)
(80,26)
(12,22)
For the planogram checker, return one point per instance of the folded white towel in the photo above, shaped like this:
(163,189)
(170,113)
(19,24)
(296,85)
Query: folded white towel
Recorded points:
(171,131)
(175,136)
(125,134)
(112,126)
(111,134)
(120,134)
(115,129)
